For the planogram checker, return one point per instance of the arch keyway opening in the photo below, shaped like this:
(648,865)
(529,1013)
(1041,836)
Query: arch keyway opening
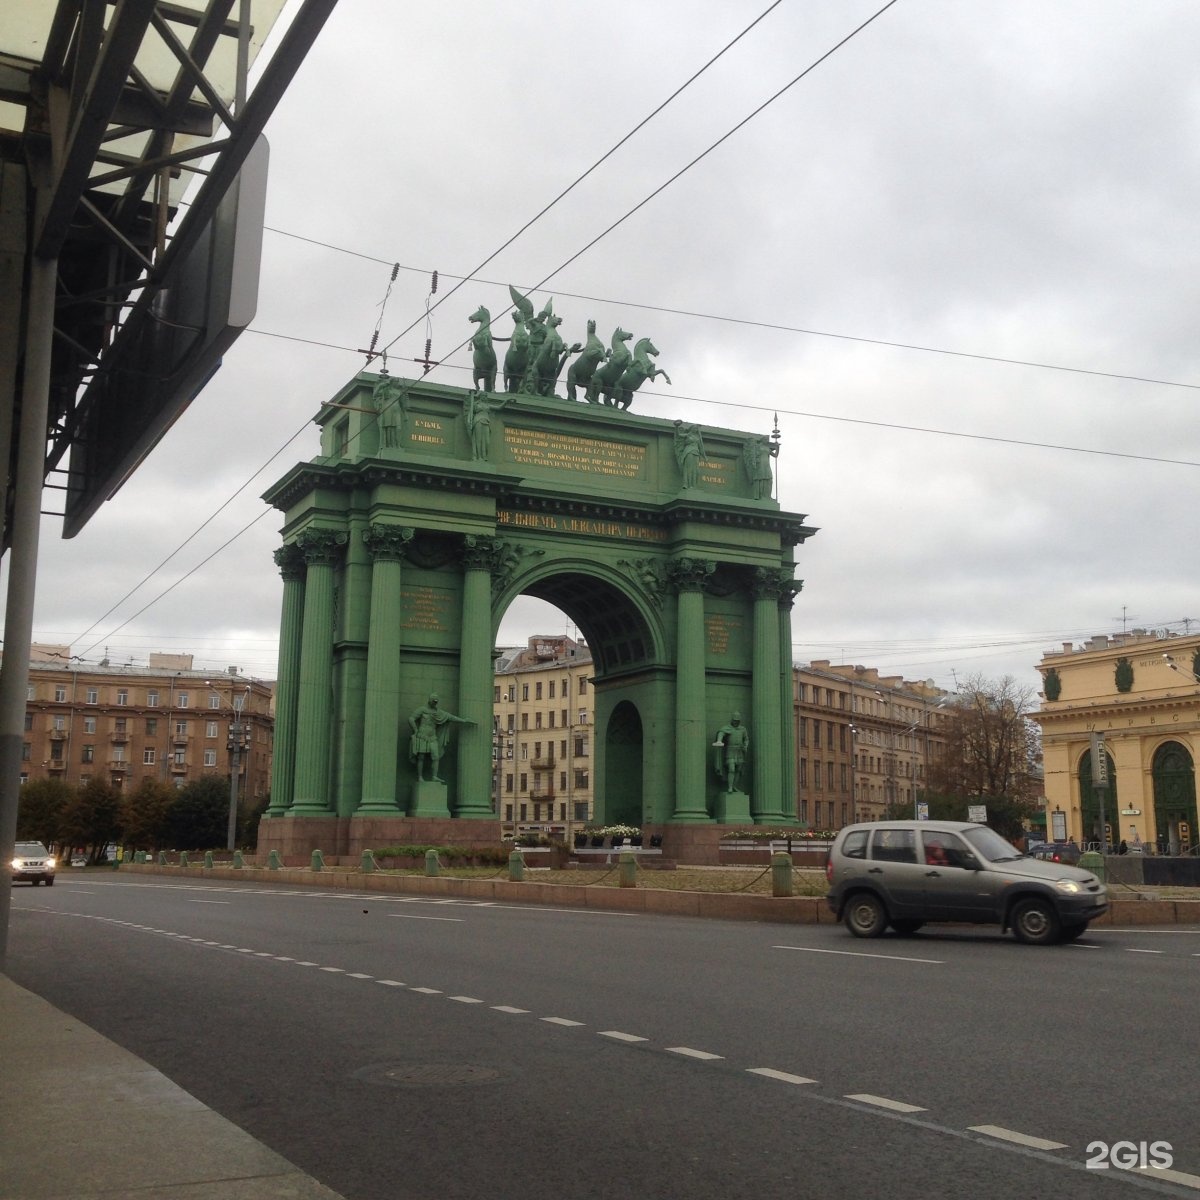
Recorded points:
(1174,779)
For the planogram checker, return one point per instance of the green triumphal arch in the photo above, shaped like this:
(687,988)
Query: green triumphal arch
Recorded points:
(429,510)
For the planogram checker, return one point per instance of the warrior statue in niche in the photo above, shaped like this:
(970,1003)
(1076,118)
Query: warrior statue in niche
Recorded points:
(430,733)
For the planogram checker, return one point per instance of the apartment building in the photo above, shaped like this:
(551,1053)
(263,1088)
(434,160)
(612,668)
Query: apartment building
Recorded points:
(864,741)
(542,733)
(122,722)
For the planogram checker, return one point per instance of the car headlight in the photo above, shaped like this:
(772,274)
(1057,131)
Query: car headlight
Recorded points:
(1067,885)
(18,865)
(50,863)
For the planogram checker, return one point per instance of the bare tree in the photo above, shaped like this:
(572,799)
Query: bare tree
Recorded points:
(992,752)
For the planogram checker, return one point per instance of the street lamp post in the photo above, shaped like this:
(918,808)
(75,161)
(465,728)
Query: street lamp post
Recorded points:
(237,743)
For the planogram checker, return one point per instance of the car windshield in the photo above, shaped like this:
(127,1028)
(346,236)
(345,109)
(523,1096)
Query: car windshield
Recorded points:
(30,848)
(989,845)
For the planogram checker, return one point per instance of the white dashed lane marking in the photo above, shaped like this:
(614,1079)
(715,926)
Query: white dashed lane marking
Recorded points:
(884,1102)
(782,1076)
(688,1052)
(508,1008)
(617,1035)
(465,999)
(1020,1139)
(559,1021)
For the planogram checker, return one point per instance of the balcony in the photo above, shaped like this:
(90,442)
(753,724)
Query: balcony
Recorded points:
(118,764)
(542,794)
(178,768)
(543,764)
(118,737)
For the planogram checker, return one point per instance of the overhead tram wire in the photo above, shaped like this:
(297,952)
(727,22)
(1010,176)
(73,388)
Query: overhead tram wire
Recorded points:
(430,309)
(678,174)
(579,179)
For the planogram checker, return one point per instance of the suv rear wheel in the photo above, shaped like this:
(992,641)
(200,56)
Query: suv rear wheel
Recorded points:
(1034,922)
(865,916)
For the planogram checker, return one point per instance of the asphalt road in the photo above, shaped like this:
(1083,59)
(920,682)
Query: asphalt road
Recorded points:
(402,1047)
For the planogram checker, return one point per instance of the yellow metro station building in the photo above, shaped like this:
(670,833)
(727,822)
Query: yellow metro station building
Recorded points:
(1140,693)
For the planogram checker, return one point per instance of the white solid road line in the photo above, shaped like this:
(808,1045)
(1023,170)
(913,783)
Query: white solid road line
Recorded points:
(884,1102)
(859,954)
(415,917)
(1021,1139)
(782,1076)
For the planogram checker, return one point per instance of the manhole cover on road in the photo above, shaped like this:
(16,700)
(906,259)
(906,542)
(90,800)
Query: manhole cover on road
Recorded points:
(428,1074)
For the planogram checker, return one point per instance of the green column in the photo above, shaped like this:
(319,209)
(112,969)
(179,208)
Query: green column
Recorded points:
(474,799)
(787,740)
(691,713)
(766,792)
(314,704)
(387,545)
(283,762)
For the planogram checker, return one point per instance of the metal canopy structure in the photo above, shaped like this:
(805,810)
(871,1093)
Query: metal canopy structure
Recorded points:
(116,302)
(112,110)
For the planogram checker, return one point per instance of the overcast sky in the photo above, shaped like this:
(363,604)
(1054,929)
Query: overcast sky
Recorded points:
(998,179)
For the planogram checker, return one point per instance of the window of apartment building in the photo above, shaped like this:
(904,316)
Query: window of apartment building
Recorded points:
(31,692)
(118,754)
(28,721)
(60,723)
(802,732)
(89,724)
(524,782)
(844,813)
(829,735)
(181,700)
(524,751)
(210,729)
(496,694)
(804,772)
(524,720)
(524,811)
(842,700)
(552,718)
(512,722)
(151,726)
(148,756)
(583,685)
(537,691)
(829,775)
(537,749)
(562,781)
(178,756)
(512,692)
(562,748)
(524,691)
(537,720)
(583,716)
(152,698)
(551,692)
(24,777)
(581,777)
(801,690)
(845,777)
(214,700)
(566,688)
(89,754)
(92,696)
(122,695)
(817,813)
(816,733)
(341,438)
(210,758)
(119,724)
(26,751)
(181,728)
(817,776)
(842,737)
(803,812)
(60,693)
(508,784)
(581,746)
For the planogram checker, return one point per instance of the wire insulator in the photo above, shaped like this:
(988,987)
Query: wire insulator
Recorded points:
(395,271)
(433,285)
(428,349)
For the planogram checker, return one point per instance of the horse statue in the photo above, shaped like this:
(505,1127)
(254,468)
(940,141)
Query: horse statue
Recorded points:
(604,379)
(583,368)
(516,359)
(639,370)
(483,355)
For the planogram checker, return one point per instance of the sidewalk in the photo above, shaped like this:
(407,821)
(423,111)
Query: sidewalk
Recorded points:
(82,1119)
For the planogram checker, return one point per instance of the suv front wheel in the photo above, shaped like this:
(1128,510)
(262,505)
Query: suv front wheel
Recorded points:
(865,916)
(1034,922)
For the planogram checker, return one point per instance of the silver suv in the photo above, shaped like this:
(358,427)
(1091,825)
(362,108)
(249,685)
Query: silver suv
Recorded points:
(32,861)
(904,873)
